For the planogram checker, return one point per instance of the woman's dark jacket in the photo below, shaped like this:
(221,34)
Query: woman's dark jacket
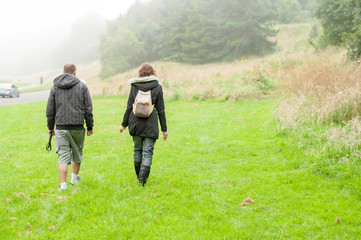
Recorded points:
(145,127)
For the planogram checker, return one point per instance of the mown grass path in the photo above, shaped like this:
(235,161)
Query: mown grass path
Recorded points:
(217,155)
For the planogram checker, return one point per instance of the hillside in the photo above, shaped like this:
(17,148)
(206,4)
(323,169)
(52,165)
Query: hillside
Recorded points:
(237,80)
(189,81)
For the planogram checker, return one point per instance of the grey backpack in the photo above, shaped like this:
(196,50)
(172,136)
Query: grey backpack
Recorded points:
(142,106)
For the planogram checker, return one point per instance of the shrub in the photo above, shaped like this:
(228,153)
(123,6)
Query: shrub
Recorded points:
(321,92)
(343,141)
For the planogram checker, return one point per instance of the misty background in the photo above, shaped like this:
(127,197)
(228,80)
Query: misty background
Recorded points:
(119,35)
(41,35)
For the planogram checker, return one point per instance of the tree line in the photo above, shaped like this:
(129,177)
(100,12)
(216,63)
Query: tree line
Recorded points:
(195,31)
(201,31)
(341,24)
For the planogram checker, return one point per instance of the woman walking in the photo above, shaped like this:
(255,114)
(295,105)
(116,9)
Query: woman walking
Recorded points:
(143,125)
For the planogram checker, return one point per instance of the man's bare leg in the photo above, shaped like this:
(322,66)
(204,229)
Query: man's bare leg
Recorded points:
(63,171)
(75,169)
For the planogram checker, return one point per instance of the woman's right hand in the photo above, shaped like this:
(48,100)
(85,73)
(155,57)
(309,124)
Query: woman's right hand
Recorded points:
(121,129)
(165,136)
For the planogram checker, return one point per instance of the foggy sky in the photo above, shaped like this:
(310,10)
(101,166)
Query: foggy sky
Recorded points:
(30,30)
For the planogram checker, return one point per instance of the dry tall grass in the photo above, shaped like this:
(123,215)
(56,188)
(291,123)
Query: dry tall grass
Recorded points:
(346,139)
(231,81)
(246,78)
(322,89)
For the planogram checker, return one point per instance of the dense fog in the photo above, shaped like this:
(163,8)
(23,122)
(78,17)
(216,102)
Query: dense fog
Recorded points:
(40,35)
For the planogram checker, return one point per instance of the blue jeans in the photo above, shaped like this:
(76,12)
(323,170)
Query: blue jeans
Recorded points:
(143,150)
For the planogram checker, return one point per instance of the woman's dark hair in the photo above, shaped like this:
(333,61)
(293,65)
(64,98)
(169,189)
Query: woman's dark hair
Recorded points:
(146,70)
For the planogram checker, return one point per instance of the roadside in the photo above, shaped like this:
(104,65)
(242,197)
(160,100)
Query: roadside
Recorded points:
(34,88)
(29,97)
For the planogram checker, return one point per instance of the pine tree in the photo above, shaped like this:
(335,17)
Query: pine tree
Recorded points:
(191,31)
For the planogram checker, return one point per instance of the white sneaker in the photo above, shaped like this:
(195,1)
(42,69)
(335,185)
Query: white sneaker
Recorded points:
(60,188)
(76,181)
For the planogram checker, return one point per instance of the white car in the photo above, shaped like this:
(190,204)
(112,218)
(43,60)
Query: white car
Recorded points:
(9,90)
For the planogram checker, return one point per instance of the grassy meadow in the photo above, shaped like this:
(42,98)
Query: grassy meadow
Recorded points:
(224,173)
(260,148)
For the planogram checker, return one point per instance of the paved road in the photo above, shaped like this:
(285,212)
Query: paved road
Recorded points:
(26,98)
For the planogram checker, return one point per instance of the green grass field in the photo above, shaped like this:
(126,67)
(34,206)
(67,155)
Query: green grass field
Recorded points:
(217,155)
(34,89)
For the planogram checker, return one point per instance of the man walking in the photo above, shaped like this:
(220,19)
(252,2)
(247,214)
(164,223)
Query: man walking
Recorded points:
(69,104)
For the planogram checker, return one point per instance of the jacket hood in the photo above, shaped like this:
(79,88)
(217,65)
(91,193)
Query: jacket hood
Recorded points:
(144,83)
(66,81)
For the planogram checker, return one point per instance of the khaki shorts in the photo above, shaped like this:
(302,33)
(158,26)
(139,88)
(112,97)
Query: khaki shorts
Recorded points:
(69,145)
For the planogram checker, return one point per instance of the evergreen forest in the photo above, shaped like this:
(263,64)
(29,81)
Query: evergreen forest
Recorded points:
(196,31)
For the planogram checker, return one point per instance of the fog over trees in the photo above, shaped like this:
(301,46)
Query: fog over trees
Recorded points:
(32,31)
(82,44)
(78,43)
(196,31)
(341,23)
(189,31)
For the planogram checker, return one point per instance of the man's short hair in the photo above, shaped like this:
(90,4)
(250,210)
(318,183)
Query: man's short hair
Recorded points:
(69,68)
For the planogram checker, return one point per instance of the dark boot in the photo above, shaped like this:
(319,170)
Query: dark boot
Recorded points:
(143,174)
(137,168)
